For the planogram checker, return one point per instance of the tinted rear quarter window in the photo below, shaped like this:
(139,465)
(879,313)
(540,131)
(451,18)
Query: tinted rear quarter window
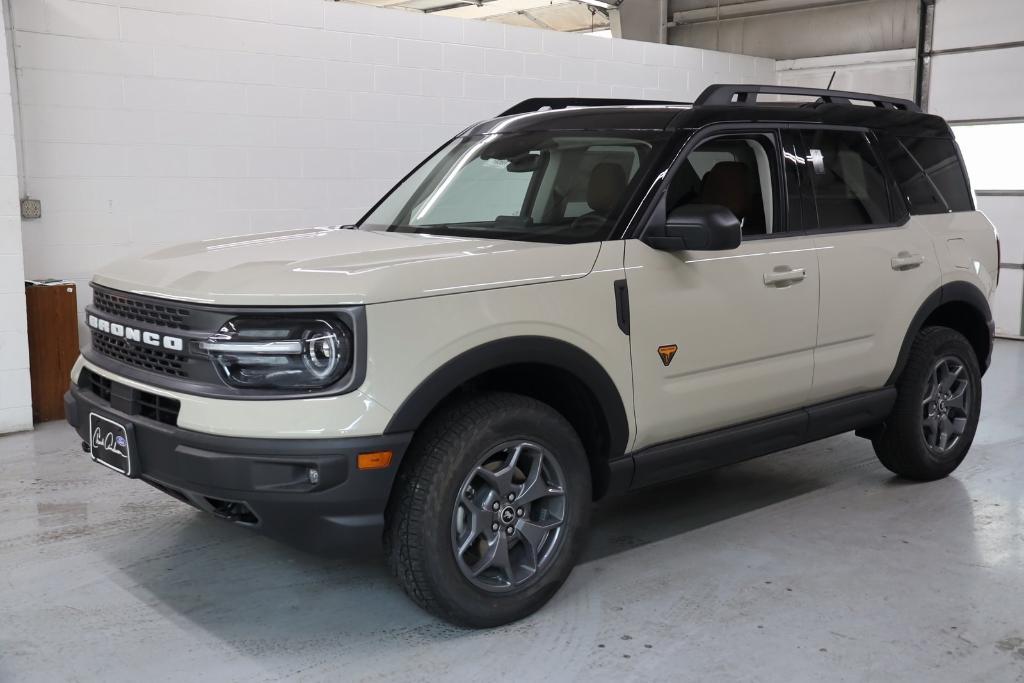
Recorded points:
(921,195)
(939,159)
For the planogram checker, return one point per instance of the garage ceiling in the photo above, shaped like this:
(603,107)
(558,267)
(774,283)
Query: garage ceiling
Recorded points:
(711,10)
(556,15)
(587,15)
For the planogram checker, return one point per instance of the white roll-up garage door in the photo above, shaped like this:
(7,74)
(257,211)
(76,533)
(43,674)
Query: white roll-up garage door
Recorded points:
(974,81)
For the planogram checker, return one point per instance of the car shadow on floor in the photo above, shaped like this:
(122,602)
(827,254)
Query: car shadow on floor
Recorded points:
(659,512)
(255,593)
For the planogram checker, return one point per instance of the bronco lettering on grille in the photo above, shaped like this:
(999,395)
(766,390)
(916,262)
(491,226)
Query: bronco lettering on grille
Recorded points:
(136,335)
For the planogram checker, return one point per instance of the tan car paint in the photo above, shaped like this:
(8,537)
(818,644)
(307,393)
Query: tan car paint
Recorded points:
(745,346)
(328,266)
(872,283)
(973,255)
(410,338)
(745,350)
(869,295)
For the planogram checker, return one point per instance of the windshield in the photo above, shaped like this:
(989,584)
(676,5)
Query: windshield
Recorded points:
(562,187)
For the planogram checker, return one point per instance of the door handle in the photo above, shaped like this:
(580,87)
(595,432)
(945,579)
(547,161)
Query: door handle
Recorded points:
(783,276)
(905,261)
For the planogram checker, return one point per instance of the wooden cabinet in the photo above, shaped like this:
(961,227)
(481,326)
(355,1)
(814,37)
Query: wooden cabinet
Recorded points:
(52,344)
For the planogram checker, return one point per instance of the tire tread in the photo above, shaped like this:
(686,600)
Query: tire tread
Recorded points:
(443,434)
(897,445)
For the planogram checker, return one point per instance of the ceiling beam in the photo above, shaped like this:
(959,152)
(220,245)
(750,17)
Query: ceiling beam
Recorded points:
(452,4)
(603,5)
(533,19)
(391,3)
(753,8)
(456,4)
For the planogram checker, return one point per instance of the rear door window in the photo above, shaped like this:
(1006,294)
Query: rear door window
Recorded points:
(849,186)
(801,214)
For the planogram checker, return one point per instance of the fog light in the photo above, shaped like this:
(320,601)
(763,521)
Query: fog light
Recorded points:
(314,475)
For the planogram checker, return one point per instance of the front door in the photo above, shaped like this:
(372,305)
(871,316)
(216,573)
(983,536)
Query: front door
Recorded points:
(723,337)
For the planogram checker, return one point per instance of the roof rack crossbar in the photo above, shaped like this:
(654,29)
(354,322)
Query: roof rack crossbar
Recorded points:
(539,103)
(724,94)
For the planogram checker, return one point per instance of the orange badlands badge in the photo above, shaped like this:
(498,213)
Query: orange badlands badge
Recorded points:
(667,353)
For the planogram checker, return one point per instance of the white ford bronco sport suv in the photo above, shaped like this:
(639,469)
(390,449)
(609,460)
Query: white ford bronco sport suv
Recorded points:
(572,300)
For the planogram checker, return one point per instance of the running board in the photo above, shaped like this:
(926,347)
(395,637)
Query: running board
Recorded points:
(693,454)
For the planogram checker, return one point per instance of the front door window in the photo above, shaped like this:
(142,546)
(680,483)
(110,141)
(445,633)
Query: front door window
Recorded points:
(737,172)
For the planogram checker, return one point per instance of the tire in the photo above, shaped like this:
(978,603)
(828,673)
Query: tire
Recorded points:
(440,523)
(911,442)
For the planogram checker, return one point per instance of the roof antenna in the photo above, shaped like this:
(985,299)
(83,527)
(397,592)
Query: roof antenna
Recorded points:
(829,86)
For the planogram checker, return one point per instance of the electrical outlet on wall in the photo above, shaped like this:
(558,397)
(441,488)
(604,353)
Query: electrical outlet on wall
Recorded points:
(31,208)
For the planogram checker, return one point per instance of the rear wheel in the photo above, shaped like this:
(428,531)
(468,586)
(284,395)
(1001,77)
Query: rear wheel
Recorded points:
(490,511)
(936,413)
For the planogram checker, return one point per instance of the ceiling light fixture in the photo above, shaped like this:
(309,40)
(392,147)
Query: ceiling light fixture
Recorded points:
(600,4)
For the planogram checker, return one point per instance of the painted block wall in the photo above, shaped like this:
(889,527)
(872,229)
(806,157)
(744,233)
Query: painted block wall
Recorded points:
(15,391)
(148,122)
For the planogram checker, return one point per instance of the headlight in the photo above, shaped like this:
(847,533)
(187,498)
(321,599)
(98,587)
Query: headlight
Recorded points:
(300,353)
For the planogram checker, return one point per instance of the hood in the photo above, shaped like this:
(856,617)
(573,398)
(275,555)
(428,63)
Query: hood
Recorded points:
(328,266)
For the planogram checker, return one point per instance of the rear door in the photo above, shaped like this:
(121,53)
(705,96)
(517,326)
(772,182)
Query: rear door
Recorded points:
(877,267)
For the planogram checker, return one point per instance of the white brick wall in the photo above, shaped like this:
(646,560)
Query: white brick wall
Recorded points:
(147,122)
(15,391)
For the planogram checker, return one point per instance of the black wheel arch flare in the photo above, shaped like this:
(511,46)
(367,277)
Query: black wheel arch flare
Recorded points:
(511,351)
(952,292)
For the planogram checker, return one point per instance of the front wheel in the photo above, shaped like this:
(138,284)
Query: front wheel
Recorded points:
(937,408)
(489,513)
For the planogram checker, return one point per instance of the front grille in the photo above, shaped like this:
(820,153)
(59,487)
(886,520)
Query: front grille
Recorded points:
(141,310)
(158,342)
(130,401)
(148,358)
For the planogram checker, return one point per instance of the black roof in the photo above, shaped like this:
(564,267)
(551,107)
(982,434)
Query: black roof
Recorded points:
(898,122)
(718,104)
(624,117)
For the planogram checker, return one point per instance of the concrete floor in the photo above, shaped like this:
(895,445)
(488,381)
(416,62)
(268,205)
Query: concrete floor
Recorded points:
(814,564)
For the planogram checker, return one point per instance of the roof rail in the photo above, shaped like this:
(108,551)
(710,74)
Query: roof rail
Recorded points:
(722,94)
(539,103)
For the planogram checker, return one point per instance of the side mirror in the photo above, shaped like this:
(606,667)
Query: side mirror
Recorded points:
(703,227)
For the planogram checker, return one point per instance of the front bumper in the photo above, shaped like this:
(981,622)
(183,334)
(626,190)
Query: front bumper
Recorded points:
(261,483)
